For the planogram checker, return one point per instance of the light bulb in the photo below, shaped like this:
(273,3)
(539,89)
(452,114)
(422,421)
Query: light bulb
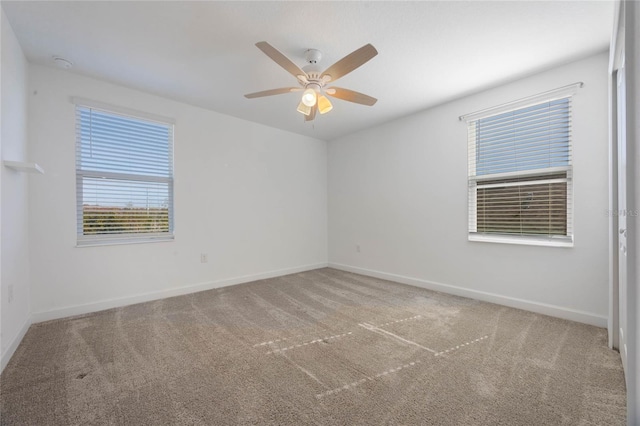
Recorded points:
(309,97)
(324,106)
(304,109)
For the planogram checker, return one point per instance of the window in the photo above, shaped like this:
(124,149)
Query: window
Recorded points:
(124,176)
(520,171)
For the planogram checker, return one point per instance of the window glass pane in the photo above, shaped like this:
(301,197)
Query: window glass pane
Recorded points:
(520,172)
(114,143)
(124,176)
(531,138)
(120,206)
(523,206)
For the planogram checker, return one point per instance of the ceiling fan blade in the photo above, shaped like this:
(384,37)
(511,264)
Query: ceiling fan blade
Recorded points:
(351,96)
(312,114)
(272,92)
(280,59)
(350,62)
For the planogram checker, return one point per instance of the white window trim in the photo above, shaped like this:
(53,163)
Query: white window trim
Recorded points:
(113,109)
(551,95)
(471,118)
(83,241)
(523,240)
(121,239)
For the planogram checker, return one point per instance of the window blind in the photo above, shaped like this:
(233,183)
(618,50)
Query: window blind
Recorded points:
(124,177)
(520,172)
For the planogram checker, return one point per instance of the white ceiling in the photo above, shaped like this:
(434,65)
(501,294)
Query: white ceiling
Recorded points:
(203,53)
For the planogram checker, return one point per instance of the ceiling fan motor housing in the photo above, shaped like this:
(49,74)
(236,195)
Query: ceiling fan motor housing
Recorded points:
(313,85)
(313,56)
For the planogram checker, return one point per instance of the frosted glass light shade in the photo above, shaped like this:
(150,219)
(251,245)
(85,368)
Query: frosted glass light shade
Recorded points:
(309,97)
(324,106)
(304,109)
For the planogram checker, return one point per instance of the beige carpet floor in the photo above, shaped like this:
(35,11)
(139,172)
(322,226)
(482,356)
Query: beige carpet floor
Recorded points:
(323,347)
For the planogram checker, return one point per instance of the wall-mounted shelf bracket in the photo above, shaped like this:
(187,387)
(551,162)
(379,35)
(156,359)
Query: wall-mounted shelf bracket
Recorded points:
(22,166)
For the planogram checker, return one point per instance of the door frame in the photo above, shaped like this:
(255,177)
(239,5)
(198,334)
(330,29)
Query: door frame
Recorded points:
(613,326)
(616,58)
(624,44)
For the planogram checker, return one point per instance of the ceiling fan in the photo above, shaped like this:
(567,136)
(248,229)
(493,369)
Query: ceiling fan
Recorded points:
(312,81)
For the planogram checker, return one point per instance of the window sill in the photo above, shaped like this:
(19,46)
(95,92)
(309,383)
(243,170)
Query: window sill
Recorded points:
(122,241)
(528,241)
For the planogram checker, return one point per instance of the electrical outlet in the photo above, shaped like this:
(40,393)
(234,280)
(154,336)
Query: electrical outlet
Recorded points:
(357,248)
(204,258)
(10,296)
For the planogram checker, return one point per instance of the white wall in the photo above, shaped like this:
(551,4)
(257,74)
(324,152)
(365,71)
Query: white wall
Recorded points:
(252,197)
(399,190)
(14,240)
(2,362)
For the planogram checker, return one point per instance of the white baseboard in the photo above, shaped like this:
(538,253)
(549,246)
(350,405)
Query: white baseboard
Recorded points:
(527,305)
(162,294)
(11,349)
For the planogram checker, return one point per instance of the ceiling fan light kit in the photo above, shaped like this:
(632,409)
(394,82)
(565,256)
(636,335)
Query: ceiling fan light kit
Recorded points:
(313,81)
